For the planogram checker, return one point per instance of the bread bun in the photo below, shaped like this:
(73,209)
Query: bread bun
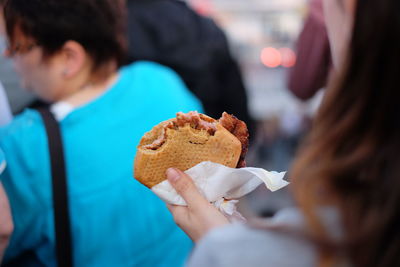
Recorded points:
(183,145)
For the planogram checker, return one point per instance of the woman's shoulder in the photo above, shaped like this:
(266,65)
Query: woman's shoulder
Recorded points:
(23,125)
(147,68)
(155,79)
(246,245)
(23,142)
(156,83)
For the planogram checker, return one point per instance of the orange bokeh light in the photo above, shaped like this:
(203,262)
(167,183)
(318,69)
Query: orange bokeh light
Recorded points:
(271,57)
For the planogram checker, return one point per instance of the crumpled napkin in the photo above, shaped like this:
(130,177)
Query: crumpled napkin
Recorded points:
(222,185)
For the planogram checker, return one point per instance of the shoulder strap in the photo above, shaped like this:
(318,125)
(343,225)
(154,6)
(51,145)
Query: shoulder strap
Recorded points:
(60,190)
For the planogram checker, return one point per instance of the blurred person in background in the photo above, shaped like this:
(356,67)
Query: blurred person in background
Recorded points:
(313,64)
(173,34)
(68,53)
(345,178)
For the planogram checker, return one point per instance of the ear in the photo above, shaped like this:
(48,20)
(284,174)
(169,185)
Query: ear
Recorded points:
(74,59)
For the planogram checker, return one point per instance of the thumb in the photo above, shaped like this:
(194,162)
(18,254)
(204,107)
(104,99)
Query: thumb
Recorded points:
(185,187)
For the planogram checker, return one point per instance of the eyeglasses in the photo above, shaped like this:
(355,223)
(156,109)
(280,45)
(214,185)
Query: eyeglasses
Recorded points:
(18,49)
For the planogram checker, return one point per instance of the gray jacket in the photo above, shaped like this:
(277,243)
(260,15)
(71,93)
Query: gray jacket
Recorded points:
(241,245)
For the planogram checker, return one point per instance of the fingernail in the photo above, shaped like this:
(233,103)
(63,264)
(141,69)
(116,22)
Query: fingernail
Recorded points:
(173,175)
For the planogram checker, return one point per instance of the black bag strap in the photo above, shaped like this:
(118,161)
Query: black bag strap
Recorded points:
(60,189)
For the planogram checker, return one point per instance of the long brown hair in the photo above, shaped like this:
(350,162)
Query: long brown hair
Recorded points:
(352,154)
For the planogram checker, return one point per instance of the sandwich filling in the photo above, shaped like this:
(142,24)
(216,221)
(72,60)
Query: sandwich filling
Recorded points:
(239,129)
(201,122)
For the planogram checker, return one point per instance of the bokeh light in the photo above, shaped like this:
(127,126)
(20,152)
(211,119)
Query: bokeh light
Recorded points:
(271,57)
(288,57)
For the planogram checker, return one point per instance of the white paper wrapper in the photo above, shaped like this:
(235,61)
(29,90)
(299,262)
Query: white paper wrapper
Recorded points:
(219,183)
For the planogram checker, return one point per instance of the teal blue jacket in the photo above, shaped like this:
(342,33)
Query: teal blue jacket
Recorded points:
(115,220)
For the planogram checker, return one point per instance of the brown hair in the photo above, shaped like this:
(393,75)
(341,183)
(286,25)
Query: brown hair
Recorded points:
(352,152)
(98,25)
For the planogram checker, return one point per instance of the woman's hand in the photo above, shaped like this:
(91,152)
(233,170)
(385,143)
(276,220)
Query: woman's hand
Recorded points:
(199,216)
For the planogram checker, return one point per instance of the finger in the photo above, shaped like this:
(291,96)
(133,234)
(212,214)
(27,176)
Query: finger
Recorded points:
(185,187)
(180,213)
(172,207)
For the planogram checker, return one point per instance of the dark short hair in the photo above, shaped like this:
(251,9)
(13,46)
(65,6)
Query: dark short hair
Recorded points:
(98,25)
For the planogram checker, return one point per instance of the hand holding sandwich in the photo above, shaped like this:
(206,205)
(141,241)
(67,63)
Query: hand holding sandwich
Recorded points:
(199,216)
(213,153)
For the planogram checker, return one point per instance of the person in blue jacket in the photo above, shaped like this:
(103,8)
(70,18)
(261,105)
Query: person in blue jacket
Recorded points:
(68,53)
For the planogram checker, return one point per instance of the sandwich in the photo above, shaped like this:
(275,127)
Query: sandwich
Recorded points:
(187,140)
